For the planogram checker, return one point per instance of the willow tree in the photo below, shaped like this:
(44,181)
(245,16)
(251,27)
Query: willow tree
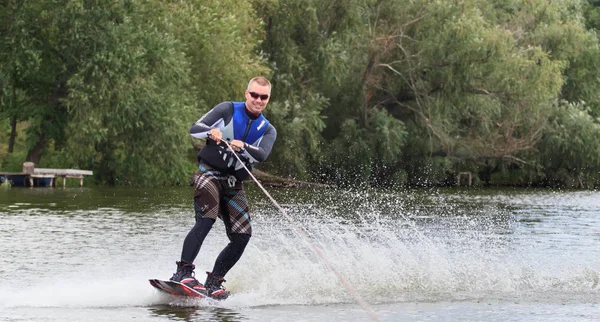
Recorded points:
(583,71)
(316,53)
(569,150)
(425,88)
(472,80)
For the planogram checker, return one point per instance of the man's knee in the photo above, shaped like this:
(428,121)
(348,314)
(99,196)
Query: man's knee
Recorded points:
(202,227)
(240,240)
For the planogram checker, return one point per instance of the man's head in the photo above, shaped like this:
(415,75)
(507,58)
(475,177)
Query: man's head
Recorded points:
(258,94)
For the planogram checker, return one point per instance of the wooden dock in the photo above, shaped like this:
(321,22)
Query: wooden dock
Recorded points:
(62,173)
(29,174)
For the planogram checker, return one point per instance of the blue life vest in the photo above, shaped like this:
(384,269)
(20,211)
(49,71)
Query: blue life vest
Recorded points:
(244,128)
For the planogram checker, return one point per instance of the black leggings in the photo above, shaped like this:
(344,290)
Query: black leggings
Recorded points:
(193,240)
(228,256)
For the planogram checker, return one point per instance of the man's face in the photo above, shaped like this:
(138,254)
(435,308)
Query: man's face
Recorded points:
(257,97)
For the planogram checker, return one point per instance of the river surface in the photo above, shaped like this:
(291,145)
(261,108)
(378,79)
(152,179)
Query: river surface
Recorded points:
(86,254)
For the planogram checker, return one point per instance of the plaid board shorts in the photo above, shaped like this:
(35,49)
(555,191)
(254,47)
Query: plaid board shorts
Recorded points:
(215,195)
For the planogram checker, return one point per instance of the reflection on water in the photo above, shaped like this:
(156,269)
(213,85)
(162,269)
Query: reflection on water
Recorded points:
(195,314)
(133,200)
(526,247)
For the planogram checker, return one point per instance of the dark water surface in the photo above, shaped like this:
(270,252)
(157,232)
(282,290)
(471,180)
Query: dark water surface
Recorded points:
(85,254)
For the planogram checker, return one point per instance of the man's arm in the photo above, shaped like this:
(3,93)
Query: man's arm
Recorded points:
(261,152)
(212,119)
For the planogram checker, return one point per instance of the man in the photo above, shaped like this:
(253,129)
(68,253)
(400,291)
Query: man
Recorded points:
(218,188)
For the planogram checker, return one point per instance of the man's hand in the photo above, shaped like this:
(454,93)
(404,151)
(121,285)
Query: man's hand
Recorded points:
(237,145)
(215,135)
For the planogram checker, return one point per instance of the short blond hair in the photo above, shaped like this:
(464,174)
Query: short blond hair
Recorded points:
(262,81)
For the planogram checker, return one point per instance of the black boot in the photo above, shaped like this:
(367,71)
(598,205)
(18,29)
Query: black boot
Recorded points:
(214,287)
(185,275)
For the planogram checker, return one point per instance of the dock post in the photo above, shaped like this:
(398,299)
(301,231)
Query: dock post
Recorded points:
(465,173)
(28,168)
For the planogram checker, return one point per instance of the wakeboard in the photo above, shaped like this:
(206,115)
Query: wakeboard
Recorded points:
(176,288)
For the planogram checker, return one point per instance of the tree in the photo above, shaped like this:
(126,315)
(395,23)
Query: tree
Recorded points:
(98,79)
(569,150)
(130,98)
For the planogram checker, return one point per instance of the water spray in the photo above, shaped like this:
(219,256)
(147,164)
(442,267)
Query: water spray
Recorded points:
(301,232)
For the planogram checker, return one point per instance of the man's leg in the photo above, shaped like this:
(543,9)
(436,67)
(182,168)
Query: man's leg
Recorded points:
(194,239)
(206,208)
(230,254)
(236,217)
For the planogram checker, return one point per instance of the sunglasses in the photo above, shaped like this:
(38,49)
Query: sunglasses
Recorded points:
(256,96)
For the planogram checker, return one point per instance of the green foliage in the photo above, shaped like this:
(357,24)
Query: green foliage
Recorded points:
(359,156)
(592,14)
(570,148)
(349,156)
(519,177)
(305,52)
(220,39)
(365,92)
(112,84)
(431,172)
(472,85)
(300,132)
(129,101)
(13,162)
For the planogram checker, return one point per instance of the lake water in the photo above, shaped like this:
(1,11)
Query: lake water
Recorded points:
(86,254)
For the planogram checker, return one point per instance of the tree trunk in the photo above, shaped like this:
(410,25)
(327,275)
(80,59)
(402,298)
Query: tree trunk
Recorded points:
(366,91)
(13,134)
(35,154)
